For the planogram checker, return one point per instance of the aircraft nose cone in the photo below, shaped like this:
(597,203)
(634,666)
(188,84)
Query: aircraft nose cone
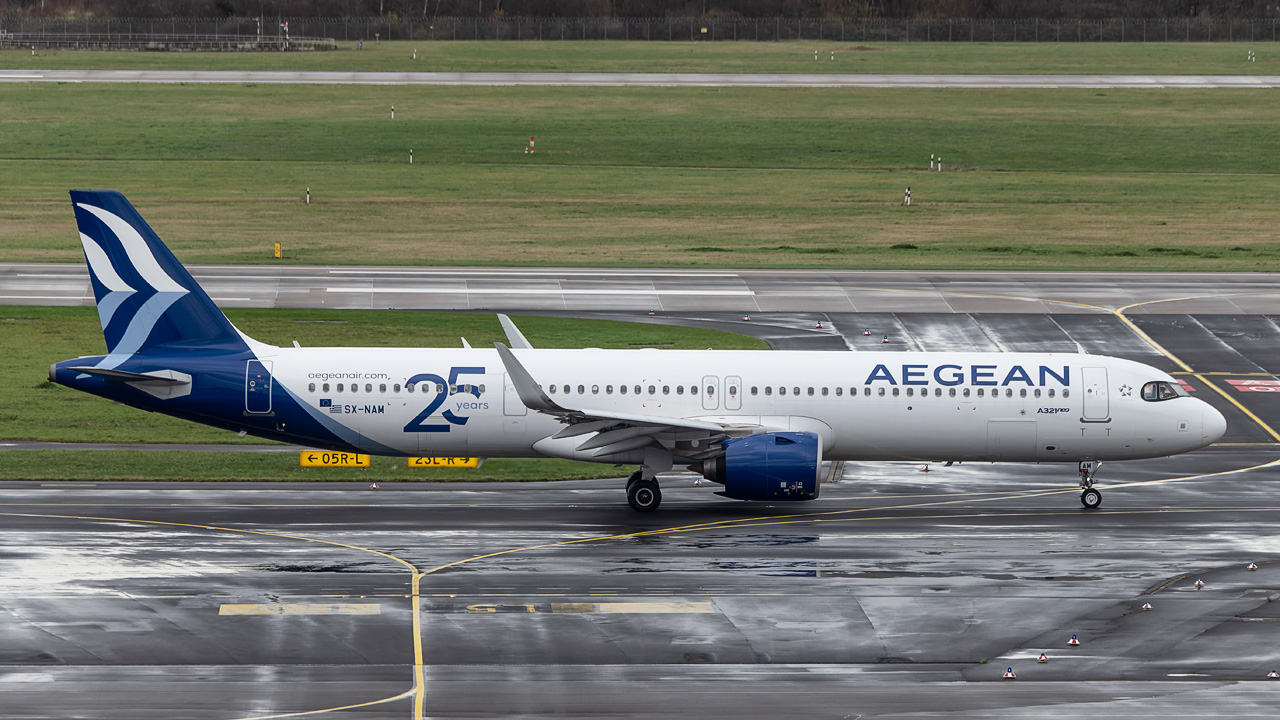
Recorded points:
(1215,425)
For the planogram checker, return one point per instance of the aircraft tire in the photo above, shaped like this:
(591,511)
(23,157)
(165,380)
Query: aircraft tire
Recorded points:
(644,495)
(1091,498)
(633,478)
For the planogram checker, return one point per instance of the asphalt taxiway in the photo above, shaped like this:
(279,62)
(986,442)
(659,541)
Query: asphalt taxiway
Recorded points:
(682,291)
(899,592)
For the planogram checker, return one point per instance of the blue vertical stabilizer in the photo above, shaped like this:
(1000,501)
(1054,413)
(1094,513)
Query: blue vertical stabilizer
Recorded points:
(147,301)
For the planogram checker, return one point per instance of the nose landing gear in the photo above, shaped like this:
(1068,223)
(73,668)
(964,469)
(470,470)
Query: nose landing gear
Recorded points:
(1090,496)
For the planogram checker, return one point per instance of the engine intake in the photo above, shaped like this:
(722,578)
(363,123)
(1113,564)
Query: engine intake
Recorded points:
(768,466)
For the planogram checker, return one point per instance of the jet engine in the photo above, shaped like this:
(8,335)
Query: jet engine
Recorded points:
(768,466)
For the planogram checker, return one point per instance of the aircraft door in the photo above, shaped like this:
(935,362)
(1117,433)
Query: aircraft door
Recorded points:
(710,391)
(1097,407)
(511,403)
(257,387)
(733,393)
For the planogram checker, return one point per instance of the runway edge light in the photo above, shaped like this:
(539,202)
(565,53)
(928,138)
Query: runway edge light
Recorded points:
(1008,674)
(1199,583)
(1042,659)
(1146,606)
(1074,640)
(1273,675)
(1252,566)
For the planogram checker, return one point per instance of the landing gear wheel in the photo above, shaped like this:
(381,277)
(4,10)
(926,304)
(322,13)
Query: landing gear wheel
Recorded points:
(633,478)
(1091,498)
(644,495)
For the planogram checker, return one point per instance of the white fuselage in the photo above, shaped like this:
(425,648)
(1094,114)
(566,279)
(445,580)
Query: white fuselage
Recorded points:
(865,406)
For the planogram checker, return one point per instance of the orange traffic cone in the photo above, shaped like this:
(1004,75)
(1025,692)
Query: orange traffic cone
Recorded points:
(1146,606)
(1074,640)
(1009,674)
(1199,583)
(1252,566)
(1043,659)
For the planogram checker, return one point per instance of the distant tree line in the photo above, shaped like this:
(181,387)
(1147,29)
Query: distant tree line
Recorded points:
(832,9)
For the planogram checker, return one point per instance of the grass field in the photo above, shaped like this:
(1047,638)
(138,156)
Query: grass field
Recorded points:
(853,56)
(1055,179)
(191,466)
(31,408)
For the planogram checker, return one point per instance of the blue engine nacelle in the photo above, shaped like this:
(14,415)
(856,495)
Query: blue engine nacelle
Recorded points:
(768,466)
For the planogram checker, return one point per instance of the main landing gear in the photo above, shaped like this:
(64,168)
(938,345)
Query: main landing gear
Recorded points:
(1090,496)
(643,494)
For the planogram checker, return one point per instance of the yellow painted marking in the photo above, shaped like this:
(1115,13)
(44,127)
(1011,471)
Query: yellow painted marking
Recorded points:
(419,678)
(302,609)
(317,458)
(433,462)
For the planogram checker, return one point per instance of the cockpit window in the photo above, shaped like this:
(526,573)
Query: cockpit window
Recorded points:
(1161,390)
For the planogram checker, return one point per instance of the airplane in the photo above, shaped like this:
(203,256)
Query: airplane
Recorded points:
(759,423)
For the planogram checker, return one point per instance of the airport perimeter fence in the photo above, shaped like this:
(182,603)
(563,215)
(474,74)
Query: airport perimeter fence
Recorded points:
(374,29)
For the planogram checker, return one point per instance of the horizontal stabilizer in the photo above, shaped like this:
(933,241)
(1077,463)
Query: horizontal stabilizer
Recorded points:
(164,384)
(159,377)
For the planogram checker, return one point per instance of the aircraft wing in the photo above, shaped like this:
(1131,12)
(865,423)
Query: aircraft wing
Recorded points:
(614,432)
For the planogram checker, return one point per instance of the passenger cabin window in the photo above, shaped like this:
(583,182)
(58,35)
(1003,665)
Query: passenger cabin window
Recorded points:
(754,388)
(839,391)
(733,390)
(881,393)
(810,392)
(768,389)
(680,390)
(582,390)
(795,391)
(409,387)
(824,392)
(866,392)
(608,389)
(622,389)
(382,388)
(782,390)
(1158,391)
(711,390)
(637,389)
(937,392)
(396,388)
(595,389)
(339,387)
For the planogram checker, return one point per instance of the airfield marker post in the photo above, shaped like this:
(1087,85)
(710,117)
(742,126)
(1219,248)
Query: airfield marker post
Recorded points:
(930,161)
(308,196)
(393,112)
(906,200)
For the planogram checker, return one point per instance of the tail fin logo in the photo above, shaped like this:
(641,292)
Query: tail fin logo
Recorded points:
(165,291)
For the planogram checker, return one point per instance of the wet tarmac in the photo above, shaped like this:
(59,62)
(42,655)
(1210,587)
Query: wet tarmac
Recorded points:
(897,592)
